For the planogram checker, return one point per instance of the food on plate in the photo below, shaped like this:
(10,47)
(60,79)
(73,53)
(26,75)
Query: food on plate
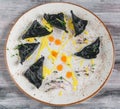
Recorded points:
(26,50)
(79,24)
(35,73)
(58,52)
(90,51)
(36,30)
(57,20)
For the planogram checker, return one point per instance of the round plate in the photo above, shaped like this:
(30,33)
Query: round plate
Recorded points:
(88,84)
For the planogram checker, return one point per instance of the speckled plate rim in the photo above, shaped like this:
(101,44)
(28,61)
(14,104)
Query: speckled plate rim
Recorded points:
(78,102)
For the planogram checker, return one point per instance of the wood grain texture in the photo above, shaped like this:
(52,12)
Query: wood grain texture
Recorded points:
(108,98)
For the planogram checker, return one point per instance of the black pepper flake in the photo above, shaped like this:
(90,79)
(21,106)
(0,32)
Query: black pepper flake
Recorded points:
(55,72)
(34,94)
(47,84)
(86,74)
(78,74)
(12,55)
(68,64)
(61,77)
(53,81)
(76,71)
(35,39)
(93,65)
(84,39)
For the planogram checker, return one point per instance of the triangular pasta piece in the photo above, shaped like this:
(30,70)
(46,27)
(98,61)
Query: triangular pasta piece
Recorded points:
(79,24)
(56,20)
(25,50)
(90,51)
(35,73)
(36,30)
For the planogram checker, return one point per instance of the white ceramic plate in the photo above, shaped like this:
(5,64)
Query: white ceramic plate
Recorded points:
(87,85)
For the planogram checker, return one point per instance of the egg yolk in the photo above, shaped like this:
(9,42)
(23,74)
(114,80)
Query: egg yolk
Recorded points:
(51,38)
(59,67)
(54,53)
(57,42)
(69,74)
(64,59)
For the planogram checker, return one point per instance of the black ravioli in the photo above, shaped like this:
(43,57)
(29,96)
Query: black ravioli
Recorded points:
(56,20)
(35,73)
(36,30)
(25,50)
(90,51)
(79,24)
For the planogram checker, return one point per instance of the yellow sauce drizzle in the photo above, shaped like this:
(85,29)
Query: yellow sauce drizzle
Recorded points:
(52,58)
(63,36)
(74,43)
(86,41)
(92,61)
(63,45)
(43,44)
(46,24)
(86,69)
(80,47)
(86,32)
(81,62)
(31,40)
(75,82)
(74,79)
(46,71)
(70,24)
(60,93)
(69,58)
(28,58)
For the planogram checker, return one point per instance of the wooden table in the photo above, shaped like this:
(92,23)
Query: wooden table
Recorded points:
(107,98)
